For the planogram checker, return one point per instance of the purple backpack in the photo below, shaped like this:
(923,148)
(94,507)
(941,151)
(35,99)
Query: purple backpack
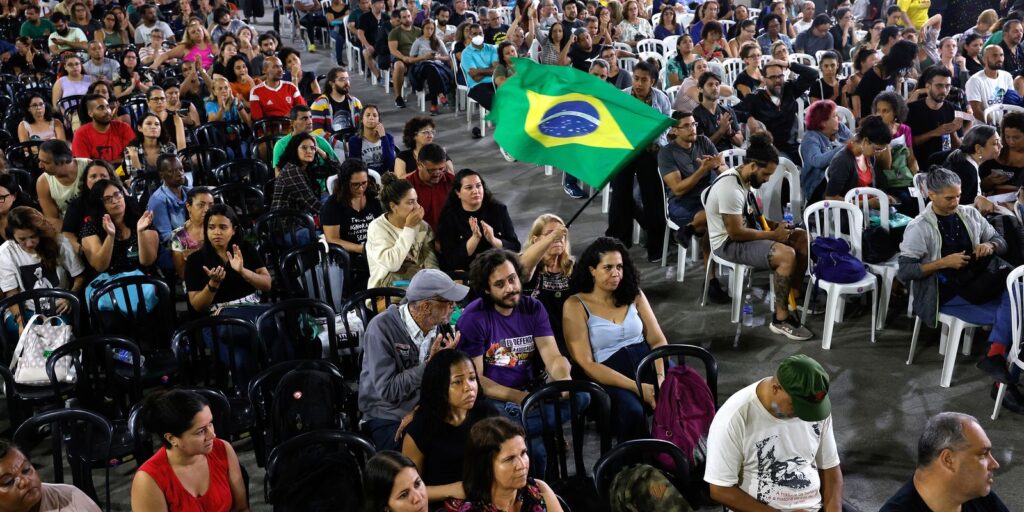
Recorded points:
(683,415)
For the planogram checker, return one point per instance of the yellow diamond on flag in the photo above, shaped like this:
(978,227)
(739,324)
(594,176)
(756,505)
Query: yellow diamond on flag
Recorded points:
(573,119)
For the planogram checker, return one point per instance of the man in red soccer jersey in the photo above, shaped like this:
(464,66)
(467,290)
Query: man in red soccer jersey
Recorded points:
(274,97)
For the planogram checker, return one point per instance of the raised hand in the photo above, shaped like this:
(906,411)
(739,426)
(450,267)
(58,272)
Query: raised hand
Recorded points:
(216,274)
(487,231)
(474,226)
(415,217)
(145,221)
(235,259)
(108,225)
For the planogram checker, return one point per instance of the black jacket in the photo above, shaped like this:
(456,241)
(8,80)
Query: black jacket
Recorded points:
(453,231)
(779,120)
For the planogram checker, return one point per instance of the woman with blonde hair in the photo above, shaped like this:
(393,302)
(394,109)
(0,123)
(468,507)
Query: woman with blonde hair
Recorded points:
(195,46)
(547,264)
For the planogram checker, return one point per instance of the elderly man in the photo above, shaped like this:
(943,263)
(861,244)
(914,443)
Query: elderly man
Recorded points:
(954,469)
(432,181)
(772,444)
(396,347)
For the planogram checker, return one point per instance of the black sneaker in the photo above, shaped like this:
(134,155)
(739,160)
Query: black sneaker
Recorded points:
(400,102)
(791,328)
(995,366)
(683,235)
(476,133)
(573,190)
(716,294)
(1012,399)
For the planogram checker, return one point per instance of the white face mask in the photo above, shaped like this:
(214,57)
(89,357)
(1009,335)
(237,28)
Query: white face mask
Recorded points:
(477,40)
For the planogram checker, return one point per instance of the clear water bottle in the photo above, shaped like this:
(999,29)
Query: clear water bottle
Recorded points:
(126,357)
(670,272)
(747,316)
(947,143)
(787,214)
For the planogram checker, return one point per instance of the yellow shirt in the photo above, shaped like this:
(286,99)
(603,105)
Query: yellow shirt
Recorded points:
(917,11)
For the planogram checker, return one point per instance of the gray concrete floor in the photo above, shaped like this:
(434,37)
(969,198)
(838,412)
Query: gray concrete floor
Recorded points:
(879,403)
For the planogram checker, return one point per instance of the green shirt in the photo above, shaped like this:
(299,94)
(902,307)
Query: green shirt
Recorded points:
(995,38)
(320,143)
(404,37)
(31,31)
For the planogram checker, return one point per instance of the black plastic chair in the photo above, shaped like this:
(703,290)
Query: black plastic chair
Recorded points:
(136,107)
(296,455)
(317,272)
(233,138)
(643,451)
(553,432)
(24,155)
(271,126)
(26,181)
(246,170)
(293,328)
(201,161)
(279,232)
(86,437)
(261,395)
(367,304)
(263,148)
(43,301)
(246,200)
(680,352)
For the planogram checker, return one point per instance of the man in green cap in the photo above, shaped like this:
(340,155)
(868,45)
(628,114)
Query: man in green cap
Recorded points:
(771,445)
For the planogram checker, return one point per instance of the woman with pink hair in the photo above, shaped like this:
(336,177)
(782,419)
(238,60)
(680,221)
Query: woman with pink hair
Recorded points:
(825,136)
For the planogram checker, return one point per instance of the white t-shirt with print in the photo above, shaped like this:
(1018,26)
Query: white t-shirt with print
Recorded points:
(773,460)
(23,271)
(727,196)
(987,90)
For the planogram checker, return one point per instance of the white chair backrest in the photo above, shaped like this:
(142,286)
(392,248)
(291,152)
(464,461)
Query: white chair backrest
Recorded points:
(994,114)
(651,45)
(685,19)
(670,45)
(672,92)
(655,19)
(800,126)
(818,54)
(771,192)
(846,71)
(825,218)
(622,46)
(920,190)
(754,12)
(803,58)
(726,25)
(627,63)
(662,71)
(506,14)
(861,197)
(765,59)
(733,67)
(1015,286)
(846,116)
(535,49)
(909,84)
(860,34)
(734,157)
(729,101)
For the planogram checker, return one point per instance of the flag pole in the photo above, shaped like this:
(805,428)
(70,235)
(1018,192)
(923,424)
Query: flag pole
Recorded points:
(584,207)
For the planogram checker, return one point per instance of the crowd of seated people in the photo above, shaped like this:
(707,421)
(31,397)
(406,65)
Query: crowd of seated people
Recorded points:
(119,145)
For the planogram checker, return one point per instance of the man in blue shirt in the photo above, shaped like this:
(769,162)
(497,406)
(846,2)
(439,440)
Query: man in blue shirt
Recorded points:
(478,62)
(168,203)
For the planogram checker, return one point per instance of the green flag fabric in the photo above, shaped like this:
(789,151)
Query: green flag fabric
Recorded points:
(563,117)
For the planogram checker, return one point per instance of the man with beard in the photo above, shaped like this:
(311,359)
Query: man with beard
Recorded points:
(149,24)
(570,21)
(932,119)
(224,24)
(400,41)
(35,25)
(336,113)
(104,138)
(462,14)
(773,108)
(495,32)
(268,48)
(955,468)
(98,64)
(715,121)
(274,97)
(772,445)
(66,37)
(432,181)
(583,51)
(504,332)
(444,28)
(1013,32)
(734,226)
(987,87)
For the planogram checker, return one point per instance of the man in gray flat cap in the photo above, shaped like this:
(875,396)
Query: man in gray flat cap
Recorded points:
(396,347)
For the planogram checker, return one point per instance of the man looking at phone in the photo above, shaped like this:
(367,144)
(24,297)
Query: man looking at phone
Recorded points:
(396,346)
(503,332)
(932,119)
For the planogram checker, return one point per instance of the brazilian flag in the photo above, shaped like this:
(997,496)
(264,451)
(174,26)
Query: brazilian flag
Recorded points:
(563,117)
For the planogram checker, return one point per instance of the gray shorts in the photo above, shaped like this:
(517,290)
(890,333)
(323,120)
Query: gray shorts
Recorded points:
(753,253)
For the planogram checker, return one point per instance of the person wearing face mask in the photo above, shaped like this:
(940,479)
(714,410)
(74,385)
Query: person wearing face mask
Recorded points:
(478,62)
(771,435)
(734,229)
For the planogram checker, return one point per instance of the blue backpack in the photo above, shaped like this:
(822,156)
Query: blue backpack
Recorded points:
(833,261)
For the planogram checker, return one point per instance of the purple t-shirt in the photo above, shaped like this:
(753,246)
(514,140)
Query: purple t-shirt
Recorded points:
(507,343)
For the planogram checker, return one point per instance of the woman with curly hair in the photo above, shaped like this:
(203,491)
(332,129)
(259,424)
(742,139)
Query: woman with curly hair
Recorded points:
(346,216)
(38,121)
(609,328)
(418,132)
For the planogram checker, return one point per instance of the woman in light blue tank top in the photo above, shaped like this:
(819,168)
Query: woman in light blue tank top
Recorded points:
(609,327)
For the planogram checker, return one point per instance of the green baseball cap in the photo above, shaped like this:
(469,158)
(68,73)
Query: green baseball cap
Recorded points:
(806,382)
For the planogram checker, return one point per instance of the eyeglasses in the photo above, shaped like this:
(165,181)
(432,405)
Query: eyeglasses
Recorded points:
(37,105)
(158,98)
(359,184)
(426,132)
(773,77)
(450,304)
(5,197)
(113,198)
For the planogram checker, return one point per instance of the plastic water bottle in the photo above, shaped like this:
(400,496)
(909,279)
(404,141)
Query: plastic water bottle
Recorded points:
(747,316)
(947,143)
(787,214)
(126,357)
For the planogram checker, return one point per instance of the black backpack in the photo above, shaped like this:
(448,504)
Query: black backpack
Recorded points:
(307,400)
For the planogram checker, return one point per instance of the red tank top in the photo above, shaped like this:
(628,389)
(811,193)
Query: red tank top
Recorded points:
(218,495)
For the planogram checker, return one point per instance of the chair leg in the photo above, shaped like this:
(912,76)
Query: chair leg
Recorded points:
(968,341)
(807,299)
(942,339)
(483,121)
(831,309)
(707,280)
(664,247)
(695,250)
(681,264)
(736,287)
(874,312)
(883,300)
(548,170)
(913,340)
(606,199)
(949,361)
(636,232)
(999,401)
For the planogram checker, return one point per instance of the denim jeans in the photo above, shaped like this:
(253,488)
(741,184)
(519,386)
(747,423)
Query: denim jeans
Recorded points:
(339,45)
(535,425)
(995,313)
(382,434)
(629,421)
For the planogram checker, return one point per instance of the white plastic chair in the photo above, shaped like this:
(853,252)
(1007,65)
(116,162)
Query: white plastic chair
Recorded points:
(655,19)
(803,58)
(909,84)
(818,54)
(733,67)
(825,218)
(771,192)
(726,25)
(920,190)
(662,73)
(952,329)
(685,19)
(846,116)
(846,71)
(1015,286)
(693,250)
(672,92)
(670,46)
(622,46)
(734,157)
(755,13)
(534,52)
(729,101)
(765,59)
(994,114)
(470,102)
(627,63)
(651,45)
(886,271)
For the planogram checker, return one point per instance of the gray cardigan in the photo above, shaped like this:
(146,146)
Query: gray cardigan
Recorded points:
(922,243)
(389,383)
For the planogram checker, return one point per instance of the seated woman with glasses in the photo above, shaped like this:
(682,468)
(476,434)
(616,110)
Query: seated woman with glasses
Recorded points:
(35,257)
(173,125)
(418,132)
(39,121)
(22,490)
(190,236)
(74,217)
(346,216)
(116,236)
(855,165)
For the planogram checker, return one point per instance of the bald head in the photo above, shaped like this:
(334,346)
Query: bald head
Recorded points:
(272,69)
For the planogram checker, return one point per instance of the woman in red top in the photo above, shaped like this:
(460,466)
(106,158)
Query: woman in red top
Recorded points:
(193,471)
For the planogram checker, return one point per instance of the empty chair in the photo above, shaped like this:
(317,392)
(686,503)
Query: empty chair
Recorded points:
(317,272)
(246,200)
(200,163)
(280,231)
(246,170)
(322,468)
(136,307)
(233,138)
(299,329)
